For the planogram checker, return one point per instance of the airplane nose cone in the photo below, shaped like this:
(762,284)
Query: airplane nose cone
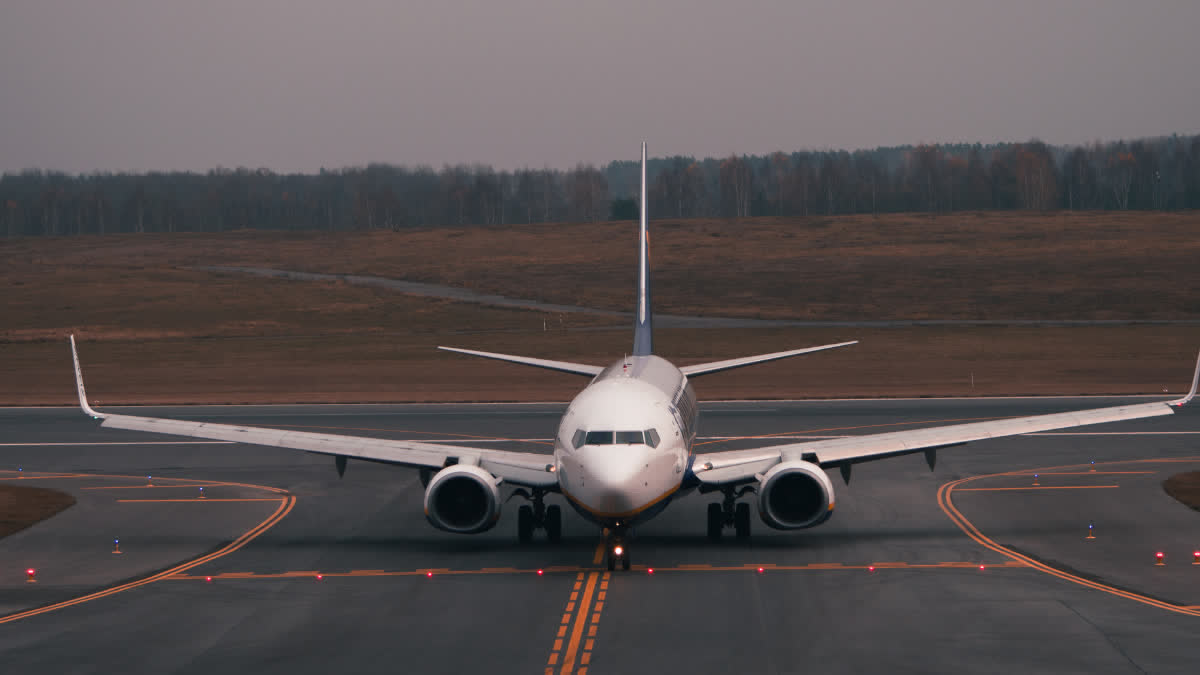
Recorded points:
(611,476)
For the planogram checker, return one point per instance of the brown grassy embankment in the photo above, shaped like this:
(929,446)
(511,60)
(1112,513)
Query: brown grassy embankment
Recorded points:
(1185,487)
(154,332)
(22,506)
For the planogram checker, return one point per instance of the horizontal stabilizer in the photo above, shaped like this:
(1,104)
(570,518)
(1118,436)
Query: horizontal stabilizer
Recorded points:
(560,366)
(716,366)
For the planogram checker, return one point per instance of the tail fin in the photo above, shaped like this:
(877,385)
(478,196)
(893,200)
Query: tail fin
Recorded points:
(643,331)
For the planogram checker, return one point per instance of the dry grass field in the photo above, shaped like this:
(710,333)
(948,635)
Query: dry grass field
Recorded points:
(153,330)
(22,506)
(1185,487)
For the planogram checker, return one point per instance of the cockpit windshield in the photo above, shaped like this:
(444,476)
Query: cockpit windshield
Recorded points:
(648,437)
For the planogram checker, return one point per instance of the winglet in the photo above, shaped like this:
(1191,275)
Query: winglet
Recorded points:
(1191,394)
(87,409)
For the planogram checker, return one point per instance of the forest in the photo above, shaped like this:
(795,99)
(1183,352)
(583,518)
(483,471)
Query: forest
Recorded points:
(1160,173)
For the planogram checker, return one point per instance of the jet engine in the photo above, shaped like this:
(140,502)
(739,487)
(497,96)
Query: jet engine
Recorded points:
(463,499)
(795,495)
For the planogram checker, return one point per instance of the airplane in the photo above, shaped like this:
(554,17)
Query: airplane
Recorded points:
(624,449)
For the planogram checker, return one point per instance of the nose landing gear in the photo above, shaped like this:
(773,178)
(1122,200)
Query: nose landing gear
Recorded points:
(615,550)
(531,517)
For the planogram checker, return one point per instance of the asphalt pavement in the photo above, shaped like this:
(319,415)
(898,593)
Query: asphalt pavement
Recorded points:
(285,568)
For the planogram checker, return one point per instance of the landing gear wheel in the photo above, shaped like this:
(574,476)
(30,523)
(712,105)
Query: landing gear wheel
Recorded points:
(525,524)
(610,561)
(625,561)
(741,521)
(553,523)
(716,521)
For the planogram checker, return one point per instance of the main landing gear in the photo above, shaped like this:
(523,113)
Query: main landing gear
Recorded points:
(531,517)
(615,550)
(729,513)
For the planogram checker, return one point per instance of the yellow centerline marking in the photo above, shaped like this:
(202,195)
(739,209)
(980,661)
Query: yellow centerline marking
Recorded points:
(946,502)
(152,487)
(198,500)
(1039,487)
(285,507)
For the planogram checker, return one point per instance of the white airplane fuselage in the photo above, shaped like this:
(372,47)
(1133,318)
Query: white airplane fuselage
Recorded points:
(624,445)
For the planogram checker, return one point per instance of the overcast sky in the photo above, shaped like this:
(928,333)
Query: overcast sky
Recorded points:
(295,85)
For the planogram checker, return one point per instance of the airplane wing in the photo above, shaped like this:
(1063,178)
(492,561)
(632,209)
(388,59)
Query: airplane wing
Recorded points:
(717,366)
(560,366)
(735,466)
(520,468)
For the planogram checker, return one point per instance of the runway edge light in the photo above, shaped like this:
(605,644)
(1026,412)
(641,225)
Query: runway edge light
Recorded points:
(1158,559)
(1196,557)
(31,576)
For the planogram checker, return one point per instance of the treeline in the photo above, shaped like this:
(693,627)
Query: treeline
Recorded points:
(1159,173)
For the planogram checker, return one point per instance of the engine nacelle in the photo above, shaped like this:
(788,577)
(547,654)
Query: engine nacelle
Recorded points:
(463,499)
(795,495)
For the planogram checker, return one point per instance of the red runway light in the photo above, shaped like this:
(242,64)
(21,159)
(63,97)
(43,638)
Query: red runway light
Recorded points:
(320,577)
(981,567)
(429,575)
(650,570)
(208,579)
(871,568)
(1158,558)
(539,573)
(760,570)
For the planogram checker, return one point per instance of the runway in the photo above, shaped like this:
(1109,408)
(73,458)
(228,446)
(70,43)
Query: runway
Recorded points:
(285,568)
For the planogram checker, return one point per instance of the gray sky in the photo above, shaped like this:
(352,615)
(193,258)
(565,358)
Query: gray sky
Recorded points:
(300,84)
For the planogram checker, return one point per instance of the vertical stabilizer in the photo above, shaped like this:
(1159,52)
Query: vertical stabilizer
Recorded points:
(643,332)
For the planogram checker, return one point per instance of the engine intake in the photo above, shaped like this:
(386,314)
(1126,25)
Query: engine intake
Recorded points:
(463,499)
(795,495)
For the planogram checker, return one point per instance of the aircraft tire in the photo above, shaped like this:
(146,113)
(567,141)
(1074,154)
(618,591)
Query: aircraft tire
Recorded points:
(525,524)
(741,521)
(716,521)
(554,523)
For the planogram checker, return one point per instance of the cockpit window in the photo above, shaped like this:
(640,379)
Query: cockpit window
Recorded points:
(652,438)
(612,438)
(599,438)
(629,438)
(577,439)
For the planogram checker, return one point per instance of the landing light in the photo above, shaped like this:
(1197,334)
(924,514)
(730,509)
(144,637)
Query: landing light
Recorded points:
(618,551)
